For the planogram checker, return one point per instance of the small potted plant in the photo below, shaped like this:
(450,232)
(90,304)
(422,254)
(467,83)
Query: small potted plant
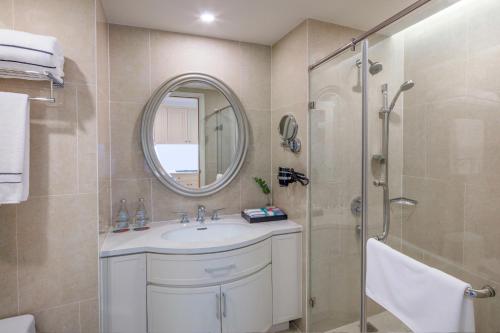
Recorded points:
(264,188)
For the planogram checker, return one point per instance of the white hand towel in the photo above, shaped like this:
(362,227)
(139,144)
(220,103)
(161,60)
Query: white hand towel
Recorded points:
(14,147)
(25,51)
(422,297)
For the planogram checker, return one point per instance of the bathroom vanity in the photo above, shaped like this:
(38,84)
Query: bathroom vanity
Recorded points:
(222,276)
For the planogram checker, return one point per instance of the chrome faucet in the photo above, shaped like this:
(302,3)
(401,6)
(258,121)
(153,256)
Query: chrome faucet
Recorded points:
(201,214)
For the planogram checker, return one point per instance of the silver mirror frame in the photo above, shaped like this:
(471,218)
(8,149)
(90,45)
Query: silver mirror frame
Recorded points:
(147,141)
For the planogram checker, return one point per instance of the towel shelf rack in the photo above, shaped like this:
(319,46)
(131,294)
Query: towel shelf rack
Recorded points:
(34,76)
(485,292)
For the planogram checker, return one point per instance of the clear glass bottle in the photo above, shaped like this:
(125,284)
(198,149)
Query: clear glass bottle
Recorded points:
(122,218)
(141,218)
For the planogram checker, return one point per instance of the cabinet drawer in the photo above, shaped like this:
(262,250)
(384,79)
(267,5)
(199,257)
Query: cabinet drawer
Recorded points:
(201,269)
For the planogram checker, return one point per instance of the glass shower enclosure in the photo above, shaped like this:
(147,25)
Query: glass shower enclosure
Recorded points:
(429,170)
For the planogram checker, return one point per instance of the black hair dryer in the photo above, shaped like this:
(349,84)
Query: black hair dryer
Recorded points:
(288,175)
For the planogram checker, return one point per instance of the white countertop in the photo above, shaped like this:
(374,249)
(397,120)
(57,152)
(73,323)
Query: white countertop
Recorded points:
(151,240)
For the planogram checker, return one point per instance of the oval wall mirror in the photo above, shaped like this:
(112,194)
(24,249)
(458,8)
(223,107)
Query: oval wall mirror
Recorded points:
(194,134)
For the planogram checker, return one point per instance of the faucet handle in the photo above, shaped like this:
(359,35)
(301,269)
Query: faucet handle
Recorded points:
(183,217)
(215,214)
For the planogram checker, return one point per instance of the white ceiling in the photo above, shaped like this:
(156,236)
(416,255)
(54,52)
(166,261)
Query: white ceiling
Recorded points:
(257,21)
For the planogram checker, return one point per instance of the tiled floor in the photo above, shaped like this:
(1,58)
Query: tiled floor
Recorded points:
(385,322)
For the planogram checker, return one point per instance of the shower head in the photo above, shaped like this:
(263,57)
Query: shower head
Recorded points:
(407,85)
(404,87)
(375,66)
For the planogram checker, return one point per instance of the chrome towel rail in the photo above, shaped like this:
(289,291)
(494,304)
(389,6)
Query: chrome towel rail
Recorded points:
(34,76)
(485,292)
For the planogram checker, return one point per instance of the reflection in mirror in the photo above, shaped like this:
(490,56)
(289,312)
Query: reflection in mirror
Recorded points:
(195,134)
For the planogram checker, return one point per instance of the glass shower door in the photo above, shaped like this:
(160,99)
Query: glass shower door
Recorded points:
(335,168)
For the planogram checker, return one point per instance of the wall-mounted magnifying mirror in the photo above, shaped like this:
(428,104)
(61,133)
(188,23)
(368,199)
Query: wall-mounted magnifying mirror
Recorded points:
(194,134)
(288,129)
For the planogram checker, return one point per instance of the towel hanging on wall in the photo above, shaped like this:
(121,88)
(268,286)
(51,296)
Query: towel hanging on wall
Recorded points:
(422,297)
(14,147)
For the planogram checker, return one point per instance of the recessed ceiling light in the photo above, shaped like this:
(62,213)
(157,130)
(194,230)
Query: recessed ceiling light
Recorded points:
(207,17)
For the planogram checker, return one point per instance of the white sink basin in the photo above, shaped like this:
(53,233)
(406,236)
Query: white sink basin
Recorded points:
(206,233)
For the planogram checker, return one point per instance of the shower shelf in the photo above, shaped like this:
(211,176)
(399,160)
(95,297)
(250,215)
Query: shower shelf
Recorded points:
(6,73)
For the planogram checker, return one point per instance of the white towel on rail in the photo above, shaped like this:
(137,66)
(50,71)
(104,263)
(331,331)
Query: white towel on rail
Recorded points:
(14,147)
(25,51)
(422,297)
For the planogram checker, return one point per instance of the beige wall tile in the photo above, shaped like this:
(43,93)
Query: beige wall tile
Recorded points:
(481,245)
(129,64)
(72,22)
(257,164)
(255,76)
(53,149)
(103,140)
(104,206)
(462,140)
(436,225)
(127,159)
(63,319)
(289,76)
(173,54)
(414,140)
(87,139)
(102,51)
(57,251)
(6,16)
(166,203)
(89,316)
(8,262)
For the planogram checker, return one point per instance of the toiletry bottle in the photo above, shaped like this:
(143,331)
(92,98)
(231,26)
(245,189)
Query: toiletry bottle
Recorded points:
(141,218)
(122,218)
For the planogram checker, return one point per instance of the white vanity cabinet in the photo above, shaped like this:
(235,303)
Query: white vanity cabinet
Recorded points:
(246,289)
(194,309)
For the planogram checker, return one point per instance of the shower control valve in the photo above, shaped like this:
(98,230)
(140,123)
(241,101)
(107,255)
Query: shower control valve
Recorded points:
(379,183)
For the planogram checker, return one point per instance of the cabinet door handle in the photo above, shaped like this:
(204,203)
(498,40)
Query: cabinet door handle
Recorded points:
(217,310)
(224,268)
(224,305)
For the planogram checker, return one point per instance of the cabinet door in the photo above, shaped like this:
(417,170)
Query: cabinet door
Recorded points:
(247,303)
(287,277)
(192,125)
(185,310)
(177,126)
(124,294)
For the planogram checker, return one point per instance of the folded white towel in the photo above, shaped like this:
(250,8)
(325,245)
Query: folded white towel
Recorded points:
(14,147)
(25,51)
(422,297)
